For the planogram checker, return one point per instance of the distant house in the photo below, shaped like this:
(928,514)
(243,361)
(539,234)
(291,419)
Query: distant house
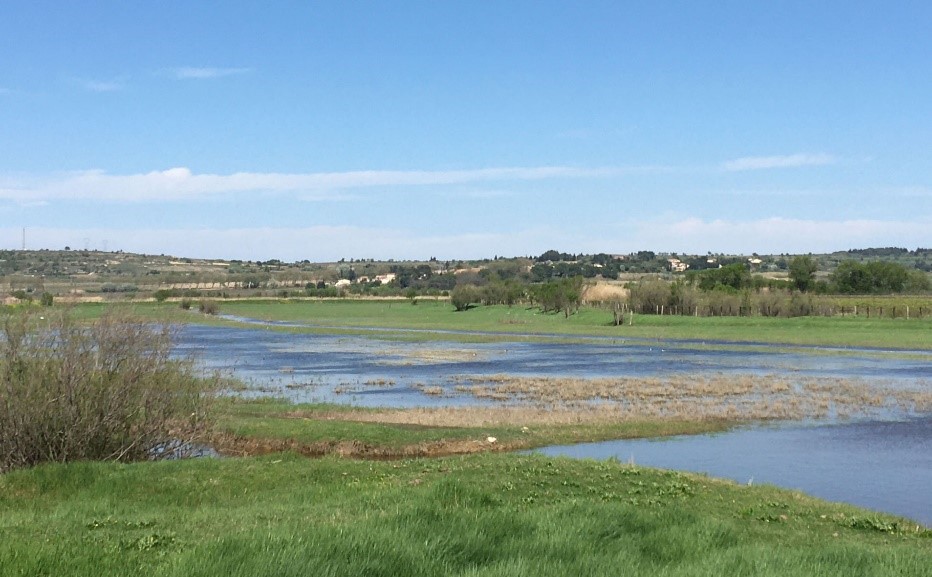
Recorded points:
(343,282)
(386,278)
(676,265)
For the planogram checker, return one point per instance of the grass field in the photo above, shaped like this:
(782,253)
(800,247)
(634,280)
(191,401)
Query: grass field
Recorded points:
(354,316)
(491,514)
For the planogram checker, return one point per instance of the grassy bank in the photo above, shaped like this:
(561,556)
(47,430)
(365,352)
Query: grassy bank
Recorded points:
(490,514)
(354,316)
(251,427)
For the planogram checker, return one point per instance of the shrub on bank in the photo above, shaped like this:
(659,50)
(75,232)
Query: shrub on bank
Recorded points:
(104,391)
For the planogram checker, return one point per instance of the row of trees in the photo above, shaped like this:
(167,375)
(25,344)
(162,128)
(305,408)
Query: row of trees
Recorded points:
(681,298)
(877,277)
(564,295)
(849,277)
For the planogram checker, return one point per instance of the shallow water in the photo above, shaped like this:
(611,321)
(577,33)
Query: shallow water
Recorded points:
(885,466)
(315,368)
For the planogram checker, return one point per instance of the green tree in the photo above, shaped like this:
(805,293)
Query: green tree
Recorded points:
(564,295)
(463,296)
(917,281)
(852,277)
(802,272)
(732,276)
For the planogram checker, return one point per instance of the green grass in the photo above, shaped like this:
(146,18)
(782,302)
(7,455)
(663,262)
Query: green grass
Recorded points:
(354,316)
(490,514)
(320,424)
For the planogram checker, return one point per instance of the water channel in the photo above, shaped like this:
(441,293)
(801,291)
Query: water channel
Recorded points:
(883,462)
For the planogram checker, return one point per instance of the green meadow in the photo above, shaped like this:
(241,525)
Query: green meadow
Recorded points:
(487,514)
(352,316)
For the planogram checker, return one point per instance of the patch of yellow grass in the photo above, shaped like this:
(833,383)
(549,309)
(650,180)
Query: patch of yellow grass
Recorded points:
(601,292)
(741,397)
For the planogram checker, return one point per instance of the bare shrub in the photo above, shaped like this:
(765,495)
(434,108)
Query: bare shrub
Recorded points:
(721,303)
(646,297)
(104,391)
(684,298)
(773,304)
(208,307)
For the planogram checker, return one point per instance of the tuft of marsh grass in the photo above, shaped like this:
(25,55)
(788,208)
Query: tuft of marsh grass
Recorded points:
(745,397)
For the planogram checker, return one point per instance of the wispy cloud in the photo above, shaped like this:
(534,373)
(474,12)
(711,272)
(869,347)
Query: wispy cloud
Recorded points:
(327,243)
(777,235)
(320,243)
(913,192)
(181,184)
(100,85)
(205,72)
(5,91)
(787,161)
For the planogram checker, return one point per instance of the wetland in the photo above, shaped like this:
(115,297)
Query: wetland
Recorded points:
(847,424)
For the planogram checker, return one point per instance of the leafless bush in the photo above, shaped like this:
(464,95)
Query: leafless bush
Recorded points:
(647,297)
(723,304)
(208,307)
(107,390)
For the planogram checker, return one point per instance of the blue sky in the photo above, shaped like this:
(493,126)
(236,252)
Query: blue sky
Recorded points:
(324,130)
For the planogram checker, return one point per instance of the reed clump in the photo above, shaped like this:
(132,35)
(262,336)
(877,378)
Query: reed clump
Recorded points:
(723,396)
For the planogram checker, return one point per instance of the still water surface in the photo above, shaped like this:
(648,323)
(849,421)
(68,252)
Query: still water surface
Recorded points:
(885,466)
(882,465)
(310,367)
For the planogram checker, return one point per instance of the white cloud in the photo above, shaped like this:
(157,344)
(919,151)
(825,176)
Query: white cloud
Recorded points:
(777,235)
(205,72)
(913,192)
(788,161)
(181,184)
(100,85)
(329,243)
(316,243)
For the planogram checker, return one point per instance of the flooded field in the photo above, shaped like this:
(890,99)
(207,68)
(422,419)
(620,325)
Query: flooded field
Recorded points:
(380,373)
(857,424)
